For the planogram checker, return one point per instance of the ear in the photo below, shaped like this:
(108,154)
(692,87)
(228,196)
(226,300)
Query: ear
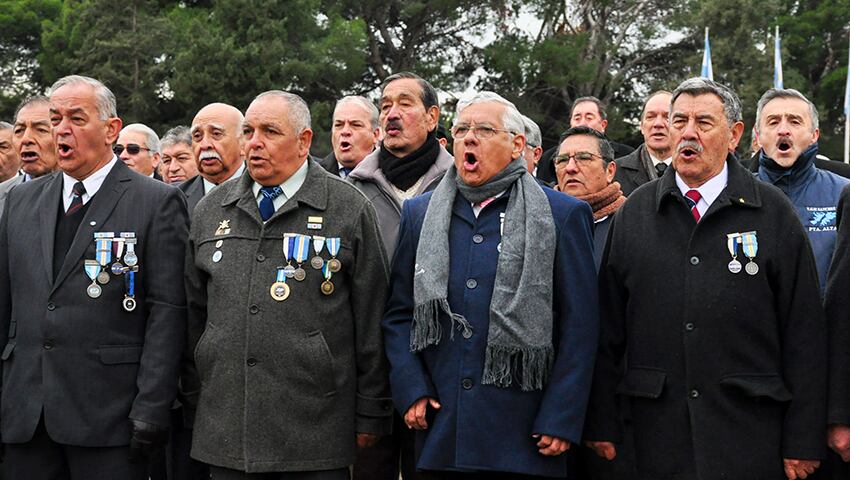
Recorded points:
(610,170)
(305,139)
(815,135)
(156,159)
(518,146)
(113,128)
(736,131)
(604,125)
(433,114)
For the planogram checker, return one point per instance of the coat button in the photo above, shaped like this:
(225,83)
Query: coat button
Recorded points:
(47,345)
(471,283)
(695,260)
(694,393)
(251,362)
(51,306)
(254,309)
(466,383)
(261,258)
(689,326)
(478,238)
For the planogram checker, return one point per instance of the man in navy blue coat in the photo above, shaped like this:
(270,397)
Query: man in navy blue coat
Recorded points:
(493,310)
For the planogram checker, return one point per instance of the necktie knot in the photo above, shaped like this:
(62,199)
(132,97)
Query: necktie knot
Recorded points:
(693,197)
(79,189)
(267,202)
(486,201)
(660,169)
(271,192)
(77,202)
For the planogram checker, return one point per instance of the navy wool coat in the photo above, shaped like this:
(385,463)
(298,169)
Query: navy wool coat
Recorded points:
(483,427)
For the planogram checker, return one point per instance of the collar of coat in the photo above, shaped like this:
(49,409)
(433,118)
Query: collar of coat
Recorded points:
(314,192)
(741,189)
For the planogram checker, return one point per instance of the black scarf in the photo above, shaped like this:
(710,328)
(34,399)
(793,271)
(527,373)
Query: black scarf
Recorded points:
(405,172)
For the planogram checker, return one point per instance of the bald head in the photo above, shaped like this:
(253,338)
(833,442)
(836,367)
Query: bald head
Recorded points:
(217,141)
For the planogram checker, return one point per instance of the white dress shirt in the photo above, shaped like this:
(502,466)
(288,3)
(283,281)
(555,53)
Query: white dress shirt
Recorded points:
(290,187)
(709,191)
(92,183)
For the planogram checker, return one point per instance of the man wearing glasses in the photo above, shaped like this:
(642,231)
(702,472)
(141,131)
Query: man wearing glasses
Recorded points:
(138,147)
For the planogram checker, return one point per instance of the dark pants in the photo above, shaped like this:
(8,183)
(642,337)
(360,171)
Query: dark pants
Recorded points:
(381,461)
(219,473)
(43,459)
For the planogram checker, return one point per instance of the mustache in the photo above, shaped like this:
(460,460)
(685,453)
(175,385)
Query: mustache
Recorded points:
(209,154)
(396,124)
(689,144)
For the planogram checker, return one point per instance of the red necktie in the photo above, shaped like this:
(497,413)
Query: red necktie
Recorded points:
(693,197)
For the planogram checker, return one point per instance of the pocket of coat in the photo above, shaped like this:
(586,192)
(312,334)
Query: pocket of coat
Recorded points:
(758,386)
(7,351)
(642,382)
(118,354)
(322,360)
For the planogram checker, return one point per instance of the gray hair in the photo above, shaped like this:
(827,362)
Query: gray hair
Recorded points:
(533,137)
(299,112)
(178,134)
(603,113)
(105,99)
(775,93)
(363,102)
(5,125)
(699,86)
(511,120)
(151,139)
(30,101)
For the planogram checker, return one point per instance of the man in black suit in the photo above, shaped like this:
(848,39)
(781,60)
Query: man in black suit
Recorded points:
(655,155)
(354,134)
(92,313)
(138,146)
(217,145)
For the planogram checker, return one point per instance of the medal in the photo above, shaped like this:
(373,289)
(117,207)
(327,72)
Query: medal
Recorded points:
(327,286)
(318,262)
(279,289)
(288,250)
(732,241)
(501,231)
(223,227)
(103,242)
(217,256)
(129,302)
(130,257)
(302,251)
(750,246)
(92,269)
(333,248)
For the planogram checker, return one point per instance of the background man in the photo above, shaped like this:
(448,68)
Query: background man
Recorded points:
(462,350)
(302,380)
(9,161)
(178,162)
(654,156)
(138,147)
(723,353)
(533,144)
(787,132)
(354,134)
(217,146)
(92,341)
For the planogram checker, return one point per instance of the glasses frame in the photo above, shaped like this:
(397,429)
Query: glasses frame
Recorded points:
(476,129)
(559,159)
(118,149)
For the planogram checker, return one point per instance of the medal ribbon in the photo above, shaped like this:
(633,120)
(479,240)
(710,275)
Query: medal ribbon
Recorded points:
(302,248)
(326,271)
(104,251)
(288,246)
(750,244)
(732,241)
(130,282)
(333,245)
(92,269)
(281,275)
(318,244)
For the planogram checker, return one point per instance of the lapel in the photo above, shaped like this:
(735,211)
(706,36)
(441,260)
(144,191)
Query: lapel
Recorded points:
(195,192)
(48,211)
(102,204)
(463,209)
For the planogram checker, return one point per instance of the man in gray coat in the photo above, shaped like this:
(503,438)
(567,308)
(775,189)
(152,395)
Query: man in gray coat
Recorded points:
(286,282)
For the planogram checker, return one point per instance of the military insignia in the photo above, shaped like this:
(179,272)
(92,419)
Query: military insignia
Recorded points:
(223,227)
(314,223)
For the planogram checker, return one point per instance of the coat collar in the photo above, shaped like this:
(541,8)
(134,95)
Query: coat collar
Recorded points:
(634,160)
(741,189)
(314,192)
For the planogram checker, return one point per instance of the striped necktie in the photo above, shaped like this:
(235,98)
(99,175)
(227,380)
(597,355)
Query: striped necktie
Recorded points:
(77,202)
(693,197)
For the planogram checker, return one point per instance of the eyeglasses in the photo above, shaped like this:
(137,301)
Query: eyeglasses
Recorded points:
(481,132)
(132,149)
(581,158)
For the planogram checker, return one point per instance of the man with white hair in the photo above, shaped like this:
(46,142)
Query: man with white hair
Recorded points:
(354,134)
(490,367)
(533,144)
(10,163)
(138,146)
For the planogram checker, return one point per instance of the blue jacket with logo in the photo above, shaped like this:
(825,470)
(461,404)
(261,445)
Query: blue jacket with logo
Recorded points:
(814,193)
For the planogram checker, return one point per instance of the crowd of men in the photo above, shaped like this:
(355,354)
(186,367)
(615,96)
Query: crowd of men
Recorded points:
(218,303)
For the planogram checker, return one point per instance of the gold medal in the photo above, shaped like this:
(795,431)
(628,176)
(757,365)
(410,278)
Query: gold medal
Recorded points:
(327,287)
(279,291)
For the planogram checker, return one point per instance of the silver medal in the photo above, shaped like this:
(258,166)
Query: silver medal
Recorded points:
(103,277)
(752,268)
(299,274)
(217,256)
(735,266)
(131,259)
(94,290)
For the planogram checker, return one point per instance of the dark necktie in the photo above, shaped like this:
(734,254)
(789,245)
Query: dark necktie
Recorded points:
(267,202)
(344,171)
(77,202)
(660,168)
(693,197)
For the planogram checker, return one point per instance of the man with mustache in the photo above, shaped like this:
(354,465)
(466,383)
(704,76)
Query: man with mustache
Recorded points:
(354,134)
(726,374)
(650,160)
(787,133)
(217,145)
(32,139)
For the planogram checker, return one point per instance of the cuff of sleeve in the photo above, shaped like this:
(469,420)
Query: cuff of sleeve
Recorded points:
(374,415)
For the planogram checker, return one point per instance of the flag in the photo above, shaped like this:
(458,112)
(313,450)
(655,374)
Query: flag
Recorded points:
(777,62)
(707,72)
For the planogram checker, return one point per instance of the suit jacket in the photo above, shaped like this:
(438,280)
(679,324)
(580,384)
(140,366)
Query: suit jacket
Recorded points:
(86,363)
(631,172)
(330,164)
(6,186)
(194,191)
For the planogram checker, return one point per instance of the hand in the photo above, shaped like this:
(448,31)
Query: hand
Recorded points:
(838,440)
(795,469)
(605,450)
(415,416)
(551,446)
(146,437)
(366,440)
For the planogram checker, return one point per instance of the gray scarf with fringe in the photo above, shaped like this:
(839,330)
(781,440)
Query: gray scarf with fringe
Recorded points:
(519,341)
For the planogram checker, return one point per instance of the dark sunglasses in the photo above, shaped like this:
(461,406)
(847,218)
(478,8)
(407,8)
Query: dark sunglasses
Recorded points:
(132,149)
